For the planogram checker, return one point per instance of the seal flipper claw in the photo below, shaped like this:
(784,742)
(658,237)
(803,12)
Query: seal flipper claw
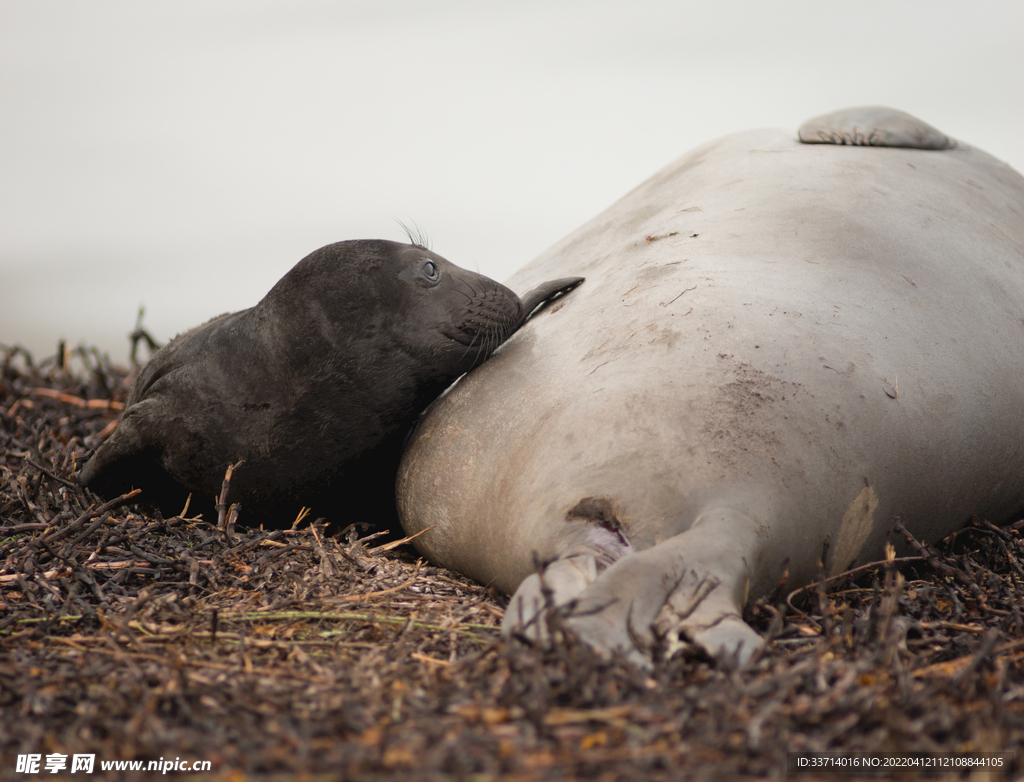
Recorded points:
(873,126)
(560,583)
(553,588)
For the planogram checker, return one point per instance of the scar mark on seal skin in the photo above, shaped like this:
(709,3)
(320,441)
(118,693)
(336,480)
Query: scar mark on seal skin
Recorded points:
(556,307)
(854,530)
(666,303)
(656,237)
(849,368)
(651,275)
(638,331)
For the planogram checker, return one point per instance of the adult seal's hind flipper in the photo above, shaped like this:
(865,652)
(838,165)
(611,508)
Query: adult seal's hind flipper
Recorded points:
(873,126)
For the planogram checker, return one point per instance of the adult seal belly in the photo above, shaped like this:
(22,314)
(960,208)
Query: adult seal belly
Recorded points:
(314,389)
(782,348)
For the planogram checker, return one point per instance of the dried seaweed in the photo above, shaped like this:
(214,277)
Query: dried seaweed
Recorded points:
(316,650)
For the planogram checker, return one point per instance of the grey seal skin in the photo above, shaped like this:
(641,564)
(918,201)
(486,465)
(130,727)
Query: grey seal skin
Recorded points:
(781,349)
(314,388)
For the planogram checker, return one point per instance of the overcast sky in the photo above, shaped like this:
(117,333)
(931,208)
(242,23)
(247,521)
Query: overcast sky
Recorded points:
(184,155)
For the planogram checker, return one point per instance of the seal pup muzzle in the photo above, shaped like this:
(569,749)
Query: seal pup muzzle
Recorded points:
(314,389)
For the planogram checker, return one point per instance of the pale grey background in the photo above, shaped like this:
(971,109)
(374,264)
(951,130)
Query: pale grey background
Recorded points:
(184,155)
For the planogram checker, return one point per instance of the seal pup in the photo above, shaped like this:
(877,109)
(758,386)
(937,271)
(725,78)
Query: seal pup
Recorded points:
(782,348)
(313,389)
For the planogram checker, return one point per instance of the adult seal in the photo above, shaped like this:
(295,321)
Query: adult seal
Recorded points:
(782,348)
(313,389)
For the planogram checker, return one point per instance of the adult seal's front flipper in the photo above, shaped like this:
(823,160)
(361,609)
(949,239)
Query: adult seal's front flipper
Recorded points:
(873,126)
(689,589)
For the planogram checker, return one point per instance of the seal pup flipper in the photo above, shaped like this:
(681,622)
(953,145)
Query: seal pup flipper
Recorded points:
(873,126)
(689,589)
(126,460)
(108,469)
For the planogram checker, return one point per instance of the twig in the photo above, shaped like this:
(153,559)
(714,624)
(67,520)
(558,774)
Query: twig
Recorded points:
(942,567)
(846,573)
(106,507)
(397,543)
(222,501)
(77,401)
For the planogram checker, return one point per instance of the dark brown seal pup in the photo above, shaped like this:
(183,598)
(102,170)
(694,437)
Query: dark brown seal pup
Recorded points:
(314,388)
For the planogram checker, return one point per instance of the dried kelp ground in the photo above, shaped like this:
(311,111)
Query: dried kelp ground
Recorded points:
(327,652)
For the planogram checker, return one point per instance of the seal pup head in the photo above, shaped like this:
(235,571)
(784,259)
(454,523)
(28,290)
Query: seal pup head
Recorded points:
(418,309)
(414,304)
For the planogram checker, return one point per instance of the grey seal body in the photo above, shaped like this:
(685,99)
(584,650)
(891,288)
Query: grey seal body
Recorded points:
(782,348)
(314,388)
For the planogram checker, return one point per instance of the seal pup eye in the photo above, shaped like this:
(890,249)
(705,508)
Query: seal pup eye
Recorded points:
(422,272)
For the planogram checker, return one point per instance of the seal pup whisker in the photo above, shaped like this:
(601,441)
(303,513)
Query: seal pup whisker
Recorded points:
(416,235)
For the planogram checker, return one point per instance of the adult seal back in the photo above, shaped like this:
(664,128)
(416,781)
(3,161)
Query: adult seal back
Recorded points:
(782,348)
(313,389)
